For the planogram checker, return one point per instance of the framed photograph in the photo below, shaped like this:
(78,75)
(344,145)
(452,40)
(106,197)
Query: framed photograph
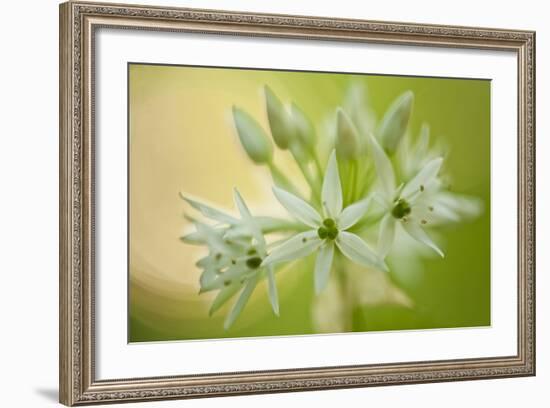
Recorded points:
(256,203)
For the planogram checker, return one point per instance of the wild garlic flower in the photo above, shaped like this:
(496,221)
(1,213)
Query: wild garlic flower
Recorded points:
(327,229)
(419,203)
(236,249)
(411,205)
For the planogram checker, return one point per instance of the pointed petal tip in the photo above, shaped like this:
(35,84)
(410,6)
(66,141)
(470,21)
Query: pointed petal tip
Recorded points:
(236,195)
(267,88)
(408,95)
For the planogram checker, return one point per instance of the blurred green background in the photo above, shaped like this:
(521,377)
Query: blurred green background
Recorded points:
(181,139)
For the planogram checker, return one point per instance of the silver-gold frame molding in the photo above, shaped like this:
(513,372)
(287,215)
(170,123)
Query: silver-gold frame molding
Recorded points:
(78,23)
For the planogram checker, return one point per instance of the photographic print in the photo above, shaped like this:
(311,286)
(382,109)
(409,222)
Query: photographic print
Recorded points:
(274,203)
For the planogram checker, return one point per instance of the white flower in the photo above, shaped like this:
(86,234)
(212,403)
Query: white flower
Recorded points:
(327,229)
(415,205)
(236,251)
(413,155)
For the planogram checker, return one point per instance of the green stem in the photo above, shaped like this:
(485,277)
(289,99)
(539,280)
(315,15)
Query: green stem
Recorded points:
(281,180)
(353,181)
(346,295)
(346,174)
(365,186)
(315,191)
(318,164)
(285,226)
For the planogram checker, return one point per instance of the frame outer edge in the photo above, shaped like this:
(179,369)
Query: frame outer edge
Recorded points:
(76,383)
(532,200)
(66,361)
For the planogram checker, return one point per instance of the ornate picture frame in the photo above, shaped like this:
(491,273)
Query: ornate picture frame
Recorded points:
(79,22)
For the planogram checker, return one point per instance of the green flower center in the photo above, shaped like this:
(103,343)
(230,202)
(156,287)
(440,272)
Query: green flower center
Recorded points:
(254,263)
(328,230)
(401,209)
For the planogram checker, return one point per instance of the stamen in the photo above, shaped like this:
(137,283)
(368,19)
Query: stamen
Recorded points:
(329,222)
(329,230)
(233,261)
(401,209)
(421,188)
(251,251)
(254,263)
(423,222)
(322,232)
(218,256)
(227,283)
(304,240)
(430,208)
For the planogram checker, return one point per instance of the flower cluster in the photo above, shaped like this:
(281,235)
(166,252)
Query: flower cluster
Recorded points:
(370,177)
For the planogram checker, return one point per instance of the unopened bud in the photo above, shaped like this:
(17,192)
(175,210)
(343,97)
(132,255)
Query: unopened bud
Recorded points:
(395,121)
(347,139)
(253,138)
(303,128)
(279,120)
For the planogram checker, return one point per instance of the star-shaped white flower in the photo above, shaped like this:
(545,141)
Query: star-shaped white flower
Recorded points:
(413,204)
(236,252)
(328,229)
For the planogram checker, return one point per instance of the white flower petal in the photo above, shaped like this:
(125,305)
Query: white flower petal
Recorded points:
(422,178)
(423,141)
(195,238)
(241,302)
(298,246)
(331,194)
(241,205)
(353,213)
(223,296)
(298,208)
(210,212)
(460,205)
(358,251)
(323,264)
(386,235)
(414,229)
(208,276)
(247,218)
(226,278)
(383,167)
(272,289)
(213,238)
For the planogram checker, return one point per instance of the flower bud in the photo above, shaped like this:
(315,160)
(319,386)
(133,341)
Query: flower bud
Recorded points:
(279,120)
(303,128)
(395,121)
(253,137)
(347,139)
